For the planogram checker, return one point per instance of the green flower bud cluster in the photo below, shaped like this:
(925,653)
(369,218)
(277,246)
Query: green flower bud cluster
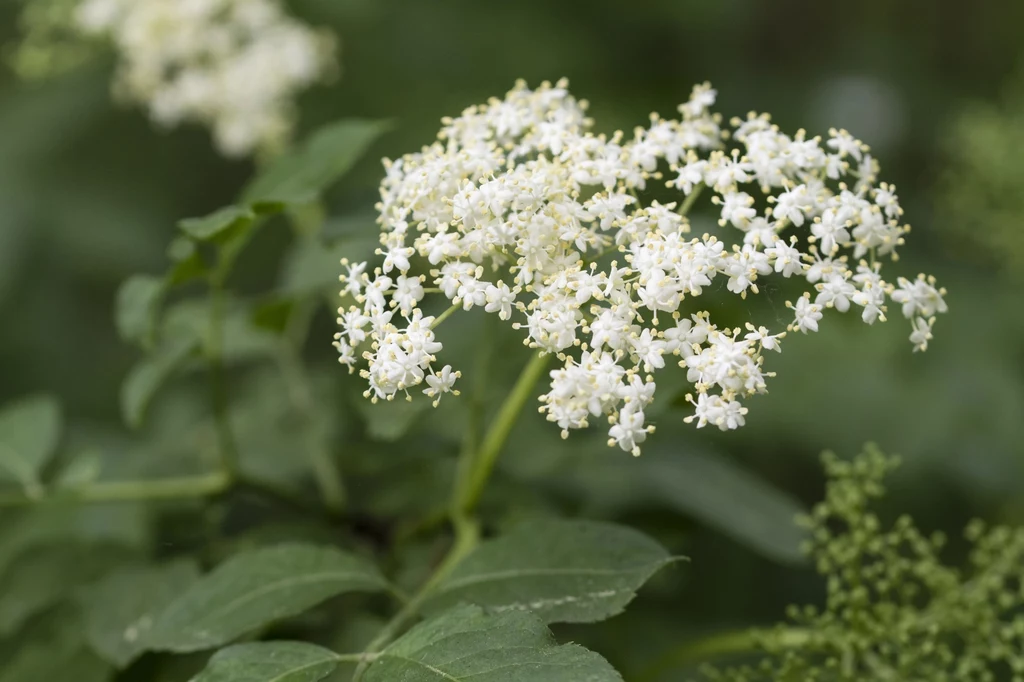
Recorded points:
(894,611)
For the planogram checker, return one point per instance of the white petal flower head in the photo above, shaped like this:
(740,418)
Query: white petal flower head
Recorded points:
(232,65)
(518,208)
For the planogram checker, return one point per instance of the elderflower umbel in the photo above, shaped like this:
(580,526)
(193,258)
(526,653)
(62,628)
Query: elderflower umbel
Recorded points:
(518,208)
(233,65)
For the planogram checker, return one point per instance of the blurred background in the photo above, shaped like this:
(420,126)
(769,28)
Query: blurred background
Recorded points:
(90,193)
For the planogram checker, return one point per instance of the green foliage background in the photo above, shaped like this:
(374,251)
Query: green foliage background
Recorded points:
(90,195)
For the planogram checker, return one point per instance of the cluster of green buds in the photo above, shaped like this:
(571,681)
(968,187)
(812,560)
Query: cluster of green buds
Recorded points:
(894,611)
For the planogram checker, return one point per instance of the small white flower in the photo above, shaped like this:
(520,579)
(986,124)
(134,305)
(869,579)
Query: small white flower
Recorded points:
(441,382)
(921,333)
(807,314)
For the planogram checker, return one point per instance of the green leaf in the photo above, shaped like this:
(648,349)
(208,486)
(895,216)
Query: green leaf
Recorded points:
(45,577)
(149,374)
(563,571)
(219,223)
(389,420)
(730,499)
(255,588)
(187,263)
(51,649)
(468,643)
(301,176)
(138,301)
(705,485)
(39,661)
(270,662)
(242,338)
(29,433)
(119,610)
(313,267)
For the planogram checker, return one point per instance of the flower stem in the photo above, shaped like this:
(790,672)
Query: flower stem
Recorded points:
(475,468)
(722,644)
(689,201)
(444,316)
(467,535)
(176,488)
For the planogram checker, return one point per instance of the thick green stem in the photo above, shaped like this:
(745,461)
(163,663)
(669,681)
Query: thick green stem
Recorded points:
(715,646)
(475,468)
(467,536)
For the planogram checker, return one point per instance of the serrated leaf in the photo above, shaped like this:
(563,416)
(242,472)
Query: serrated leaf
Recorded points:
(120,609)
(138,301)
(301,176)
(468,643)
(218,223)
(150,373)
(563,571)
(29,433)
(270,662)
(254,588)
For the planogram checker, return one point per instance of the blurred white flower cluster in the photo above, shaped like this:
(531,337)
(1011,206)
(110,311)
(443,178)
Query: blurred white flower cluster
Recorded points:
(519,209)
(232,65)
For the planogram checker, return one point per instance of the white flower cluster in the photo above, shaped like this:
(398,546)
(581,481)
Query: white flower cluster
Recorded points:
(233,65)
(520,209)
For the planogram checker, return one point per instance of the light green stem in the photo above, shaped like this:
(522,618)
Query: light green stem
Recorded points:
(184,487)
(474,469)
(688,202)
(444,316)
(467,536)
(721,644)
(474,472)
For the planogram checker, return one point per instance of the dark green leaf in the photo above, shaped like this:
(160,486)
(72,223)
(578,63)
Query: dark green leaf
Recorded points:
(328,154)
(730,499)
(270,662)
(119,609)
(41,661)
(149,374)
(138,301)
(468,643)
(563,571)
(47,576)
(389,420)
(241,339)
(706,485)
(29,433)
(255,588)
(187,263)
(218,223)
